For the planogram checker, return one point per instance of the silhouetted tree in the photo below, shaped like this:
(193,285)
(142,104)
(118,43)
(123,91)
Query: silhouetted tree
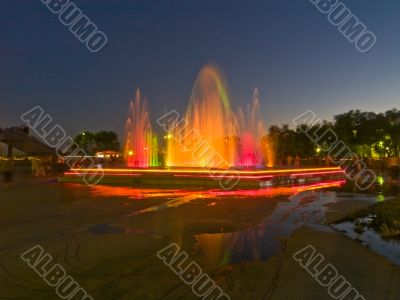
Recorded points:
(86,141)
(99,141)
(106,140)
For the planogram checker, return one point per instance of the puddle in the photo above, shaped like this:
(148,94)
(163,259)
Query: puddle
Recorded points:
(306,206)
(387,248)
(265,240)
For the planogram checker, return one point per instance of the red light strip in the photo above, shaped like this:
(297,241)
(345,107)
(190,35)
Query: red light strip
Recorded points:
(318,173)
(115,174)
(229,176)
(191,171)
(194,174)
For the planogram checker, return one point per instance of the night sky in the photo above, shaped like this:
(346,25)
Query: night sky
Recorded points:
(286,48)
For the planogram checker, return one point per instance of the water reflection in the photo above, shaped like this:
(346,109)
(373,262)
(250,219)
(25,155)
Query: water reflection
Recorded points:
(135,193)
(306,206)
(303,209)
(387,248)
(178,197)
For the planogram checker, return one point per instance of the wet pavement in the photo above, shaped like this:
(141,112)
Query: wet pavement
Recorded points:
(107,239)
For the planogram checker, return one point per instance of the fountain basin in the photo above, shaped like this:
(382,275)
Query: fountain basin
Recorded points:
(204,178)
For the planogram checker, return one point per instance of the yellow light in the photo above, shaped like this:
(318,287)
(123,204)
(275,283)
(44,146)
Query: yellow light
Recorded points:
(130,153)
(318,150)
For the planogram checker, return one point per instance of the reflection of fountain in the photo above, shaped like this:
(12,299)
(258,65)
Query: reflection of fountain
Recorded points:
(226,140)
(140,143)
(306,208)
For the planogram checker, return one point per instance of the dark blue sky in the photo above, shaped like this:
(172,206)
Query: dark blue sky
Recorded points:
(287,49)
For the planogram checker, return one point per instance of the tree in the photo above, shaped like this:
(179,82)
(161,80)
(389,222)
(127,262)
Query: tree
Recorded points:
(86,141)
(305,145)
(99,141)
(392,137)
(347,125)
(106,140)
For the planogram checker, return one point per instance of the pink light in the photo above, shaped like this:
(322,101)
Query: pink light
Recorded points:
(220,171)
(220,174)
(114,174)
(226,176)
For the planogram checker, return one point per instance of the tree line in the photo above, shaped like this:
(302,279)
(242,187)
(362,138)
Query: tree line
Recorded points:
(365,133)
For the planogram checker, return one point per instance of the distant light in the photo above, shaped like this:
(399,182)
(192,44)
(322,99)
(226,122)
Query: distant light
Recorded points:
(130,153)
(83,133)
(318,150)
(169,136)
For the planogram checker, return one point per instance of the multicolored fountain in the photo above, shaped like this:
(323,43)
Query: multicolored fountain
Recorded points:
(239,139)
(141,145)
(254,147)
(209,114)
(208,147)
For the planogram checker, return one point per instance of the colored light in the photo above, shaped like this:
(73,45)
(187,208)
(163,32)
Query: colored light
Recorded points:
(141,147)
(227,171)
(213,136)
